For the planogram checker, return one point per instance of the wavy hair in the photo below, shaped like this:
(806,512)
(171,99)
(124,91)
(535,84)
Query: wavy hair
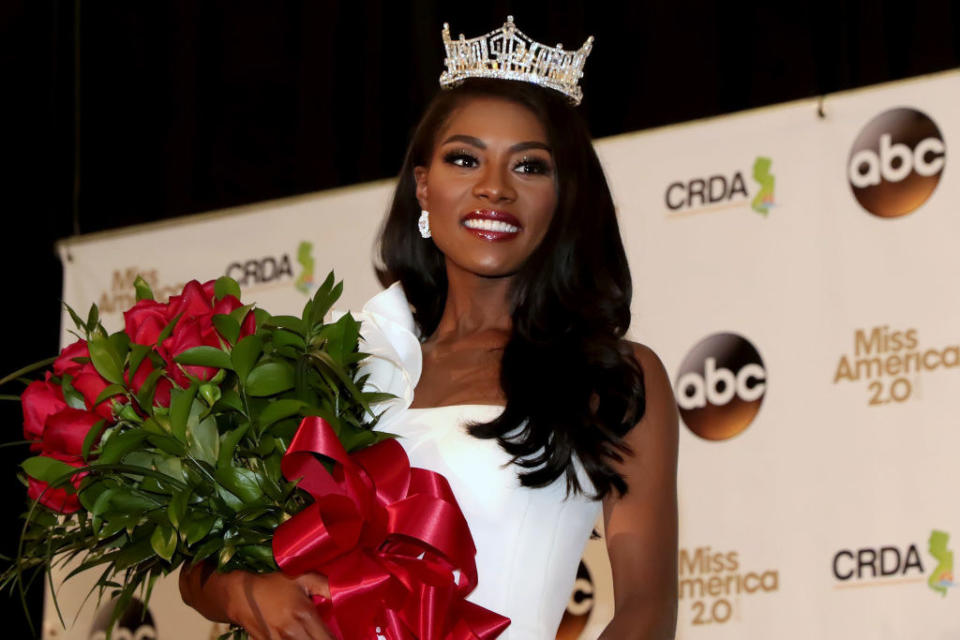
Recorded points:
(573,387)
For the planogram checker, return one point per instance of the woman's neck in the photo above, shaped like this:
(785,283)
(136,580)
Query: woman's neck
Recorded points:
(474,304)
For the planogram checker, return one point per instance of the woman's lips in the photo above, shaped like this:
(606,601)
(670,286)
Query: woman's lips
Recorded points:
(490,224)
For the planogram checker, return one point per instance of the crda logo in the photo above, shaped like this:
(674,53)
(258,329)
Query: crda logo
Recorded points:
(720,386)
(896,162)
(579,607)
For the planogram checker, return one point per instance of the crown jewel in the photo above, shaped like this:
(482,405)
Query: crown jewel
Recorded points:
(509,54)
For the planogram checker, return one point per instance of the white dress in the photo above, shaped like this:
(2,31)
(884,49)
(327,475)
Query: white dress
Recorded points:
(529,541)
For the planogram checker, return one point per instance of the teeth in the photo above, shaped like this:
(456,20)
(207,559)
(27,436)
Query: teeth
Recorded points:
(490,225)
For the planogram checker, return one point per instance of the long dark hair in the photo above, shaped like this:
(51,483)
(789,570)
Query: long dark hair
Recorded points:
(572,386)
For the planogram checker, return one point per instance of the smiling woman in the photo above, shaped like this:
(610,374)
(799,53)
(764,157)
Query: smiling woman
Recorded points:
(495,184)
(508,277)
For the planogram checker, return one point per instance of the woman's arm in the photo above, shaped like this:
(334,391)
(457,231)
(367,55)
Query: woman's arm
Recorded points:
(269,606)
(641,527)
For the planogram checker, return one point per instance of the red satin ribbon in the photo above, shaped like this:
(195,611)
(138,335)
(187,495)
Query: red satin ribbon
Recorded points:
(387,536)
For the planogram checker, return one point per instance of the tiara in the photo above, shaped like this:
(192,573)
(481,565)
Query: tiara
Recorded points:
(509,54)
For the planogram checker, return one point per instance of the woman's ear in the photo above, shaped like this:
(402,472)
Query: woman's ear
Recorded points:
(420,176)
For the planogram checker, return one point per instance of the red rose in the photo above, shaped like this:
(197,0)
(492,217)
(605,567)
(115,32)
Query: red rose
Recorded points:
(65,430)
(65,364)
(145,320)
(40,399)
(57,499)
(190,332)
(196,300)
(90,385)
(161,396)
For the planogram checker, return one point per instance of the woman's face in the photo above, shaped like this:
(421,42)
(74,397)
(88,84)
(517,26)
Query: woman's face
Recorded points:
(490,187)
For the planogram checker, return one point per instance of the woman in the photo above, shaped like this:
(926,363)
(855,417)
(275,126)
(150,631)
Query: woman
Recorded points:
(521,294)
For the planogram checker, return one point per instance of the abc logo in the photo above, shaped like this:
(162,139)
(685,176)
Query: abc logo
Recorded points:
(896,162)
(579,607)
(720,386)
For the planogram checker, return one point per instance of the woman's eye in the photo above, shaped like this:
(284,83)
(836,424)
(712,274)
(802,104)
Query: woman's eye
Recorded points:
(460,159)
(533,166)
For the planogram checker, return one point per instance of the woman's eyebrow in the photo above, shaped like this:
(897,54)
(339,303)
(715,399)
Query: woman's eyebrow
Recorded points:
(480,144)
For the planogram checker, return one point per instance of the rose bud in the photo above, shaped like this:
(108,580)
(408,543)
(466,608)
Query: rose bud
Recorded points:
(65,432)
(193,302)
(90,385)
(56,499)
(145,320)
(189,333)
(65,363)
(161,396)
(40,399)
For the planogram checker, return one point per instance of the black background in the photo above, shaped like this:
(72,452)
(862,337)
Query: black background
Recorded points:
(119,112)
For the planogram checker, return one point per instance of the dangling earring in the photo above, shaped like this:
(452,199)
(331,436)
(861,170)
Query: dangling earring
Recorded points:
(424,223)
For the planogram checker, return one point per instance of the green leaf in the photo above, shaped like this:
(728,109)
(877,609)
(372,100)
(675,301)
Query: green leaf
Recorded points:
(207,549)
(137,353)
(134,553)
(240,482)
(46,469)
(226,286)
(229,444)
(148,388)
(119,444)
(124,502)
(227,326)
(181,400)
(316,309)
(93,318)
(270,378)
(288,339)
(109,392)
(240,313)
(259,553)
(244,355)
(105,359)
(205,356)
(91,437)
(71,396)
(225,554)
(167,444)
(230,399)
(144,292)
(278,410)
(164,541)
(167,330)
(120,342)
(77,320)
(177,509)
(197,527)
(203,441)
(290,323)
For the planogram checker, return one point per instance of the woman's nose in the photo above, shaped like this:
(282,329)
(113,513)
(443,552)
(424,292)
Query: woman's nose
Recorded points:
(493,184)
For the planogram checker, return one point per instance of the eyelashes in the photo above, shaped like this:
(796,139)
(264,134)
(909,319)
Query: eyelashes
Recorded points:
(527,165)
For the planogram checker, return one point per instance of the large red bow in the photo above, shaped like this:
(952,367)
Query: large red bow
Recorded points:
(389,538)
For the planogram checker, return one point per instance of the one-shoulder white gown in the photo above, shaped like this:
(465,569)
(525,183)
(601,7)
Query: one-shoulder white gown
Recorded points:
(529,541)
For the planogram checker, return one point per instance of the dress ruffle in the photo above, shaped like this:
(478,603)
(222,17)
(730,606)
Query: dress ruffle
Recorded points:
(395,360)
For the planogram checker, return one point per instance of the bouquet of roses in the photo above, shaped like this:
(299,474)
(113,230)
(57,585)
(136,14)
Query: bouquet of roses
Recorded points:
(209,430)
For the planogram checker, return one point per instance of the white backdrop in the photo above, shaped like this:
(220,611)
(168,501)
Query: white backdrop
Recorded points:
(766,264)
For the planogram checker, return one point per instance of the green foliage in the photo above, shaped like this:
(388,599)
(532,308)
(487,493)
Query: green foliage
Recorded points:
(199,480)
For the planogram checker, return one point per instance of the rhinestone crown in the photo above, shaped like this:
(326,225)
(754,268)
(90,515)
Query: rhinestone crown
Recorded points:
(509,54)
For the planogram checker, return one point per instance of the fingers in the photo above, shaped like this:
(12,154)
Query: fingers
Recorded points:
(313,625)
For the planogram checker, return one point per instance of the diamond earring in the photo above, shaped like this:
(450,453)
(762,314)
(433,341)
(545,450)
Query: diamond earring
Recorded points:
(424,223)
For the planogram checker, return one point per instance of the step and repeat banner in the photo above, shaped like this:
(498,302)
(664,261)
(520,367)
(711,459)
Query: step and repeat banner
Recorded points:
(793,268)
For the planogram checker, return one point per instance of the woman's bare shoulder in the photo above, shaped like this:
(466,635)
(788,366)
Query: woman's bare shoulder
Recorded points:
(660,403)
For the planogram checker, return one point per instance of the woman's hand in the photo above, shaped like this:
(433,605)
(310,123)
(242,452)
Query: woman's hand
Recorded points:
(268,606)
